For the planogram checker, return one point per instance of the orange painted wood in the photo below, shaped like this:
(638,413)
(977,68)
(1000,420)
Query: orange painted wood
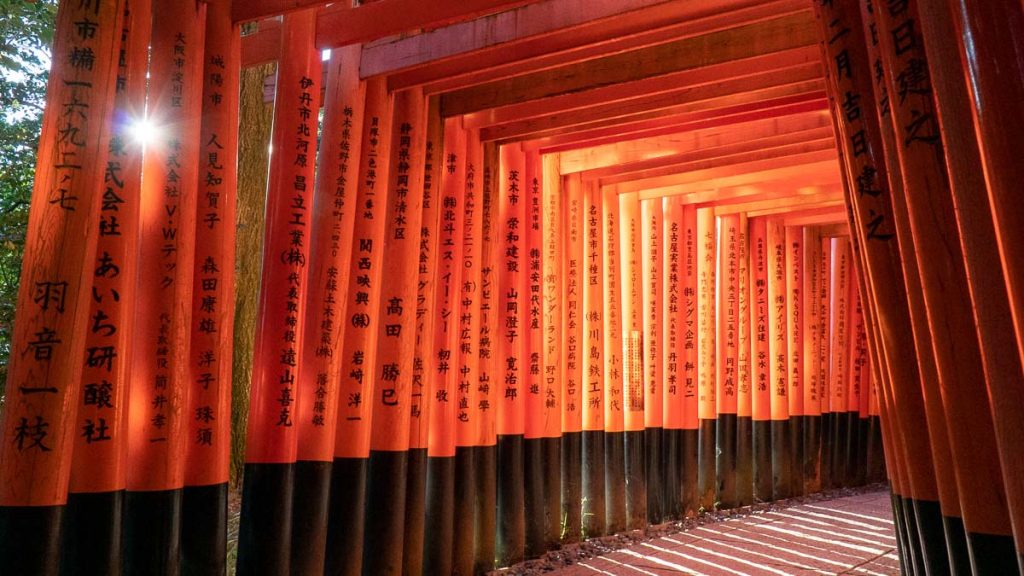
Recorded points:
(262,46)
(810,343)
(744,372)
(423,362)
(839,330)
(856,348)
(272,434)
(512,286)
(727,333)
(467,415)
(651,253)
(170,179)
(209,413)
(632,311)
(443,386)
(872,223)
(795,318)
(985,274)
(593,376)
(573,339)
(330,271)
(778,308)
(672,280)
(396,312)
(341,24)
(759,321)
(690,283)
(98,462)
(706,350)
(489,304)
(358,353)
(615,401)
(553,299)
(782,33)
(537,400)
(823,300)
(943,277)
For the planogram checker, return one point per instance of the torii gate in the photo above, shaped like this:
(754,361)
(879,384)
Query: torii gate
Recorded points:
(543,270)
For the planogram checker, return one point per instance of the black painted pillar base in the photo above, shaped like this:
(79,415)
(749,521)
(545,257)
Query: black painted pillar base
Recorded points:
(572,486)
(762,442)
(30,539)
(725,462)
(707,485)
(593,503)
(827,451)
(636,481)
(345,526)
(204,531)
(672,451)
(781,460)
(511,540)
(876,451)
(902,536)
(654,473)
(691,502)
(385,512)
(840,445)
(90,536)
(533,496)
(956,544)
(552,476)
(993,554)
(439,517)
(615,481)
(310,505)
(463,546)
(485,459)
(415,511)
(744,461)
(932,534)
(152,527)
(812,454)
(861,476)
(796,455)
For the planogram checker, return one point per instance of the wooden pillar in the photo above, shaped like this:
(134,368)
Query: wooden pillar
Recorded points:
(857,399)
(632,335)
(824,302)
(593,376)
(467,415)
(935,230)
(440,505)
(396,337)
(778,359)
(345,521)
(849,71)
(423,361)
(553,365)
(689,361)
(615,403)
(160,370)
(572,345)
(851,395)
(485,458)
(706,409)
(794,347)
(811,358)
(839,292)
(744,371)
(672,353)
(205,500)
(512,326)
(91,533)
(727,357)
(652,246)
(759,353)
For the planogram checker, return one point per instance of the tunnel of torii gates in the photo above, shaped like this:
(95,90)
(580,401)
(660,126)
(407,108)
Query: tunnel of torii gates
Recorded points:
(542,270)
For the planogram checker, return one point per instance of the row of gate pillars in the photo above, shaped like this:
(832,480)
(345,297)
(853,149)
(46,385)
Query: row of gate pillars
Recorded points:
(464,358)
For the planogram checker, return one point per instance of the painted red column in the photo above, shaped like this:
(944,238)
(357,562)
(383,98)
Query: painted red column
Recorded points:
(794,347)
(672,352)
(615,403)
(651,249)
(744,371)
(778,358)
(572,346)
(759,353)
(689,360)
(593,377)
(707,399)
(633,370)
(553,367)
(727,358)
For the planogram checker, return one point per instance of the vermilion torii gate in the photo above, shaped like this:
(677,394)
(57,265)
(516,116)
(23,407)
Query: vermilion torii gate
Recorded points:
(533,271)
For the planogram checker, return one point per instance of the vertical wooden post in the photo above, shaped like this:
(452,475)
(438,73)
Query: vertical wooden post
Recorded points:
(632,335)
(91,531)
(440,506)
(396,337)
(345,520)
(744,371)
(205,501)
(534,468)
(859,410)
(652,246)
(593,378)
(159,390)
(849,71)
(572,345)
(690,361)
(811,358)
(615,402)
(778,359)
(672,353)
(553,302)
(726,292)
(706,410)
(467,415)
(485,458)
(794,347)
(512,326)
(423,361)
(851,396)
(839,291)
(824,301)
(759,353)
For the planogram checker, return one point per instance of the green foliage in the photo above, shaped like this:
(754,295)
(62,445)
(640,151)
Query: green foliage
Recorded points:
(26,33)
